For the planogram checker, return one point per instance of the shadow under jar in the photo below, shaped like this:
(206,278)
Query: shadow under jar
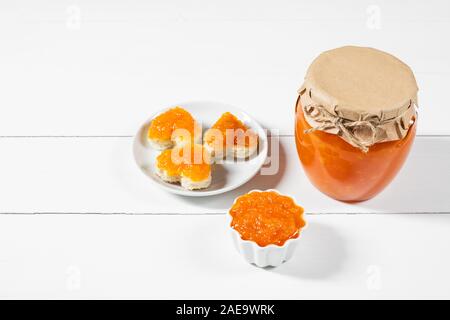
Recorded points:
(355,121)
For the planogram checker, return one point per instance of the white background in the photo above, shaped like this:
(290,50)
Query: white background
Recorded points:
(78,219)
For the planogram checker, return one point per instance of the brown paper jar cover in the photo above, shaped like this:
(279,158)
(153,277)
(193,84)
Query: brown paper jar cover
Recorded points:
(364,95)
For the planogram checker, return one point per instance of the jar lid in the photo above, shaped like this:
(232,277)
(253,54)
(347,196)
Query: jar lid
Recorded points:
(360,86)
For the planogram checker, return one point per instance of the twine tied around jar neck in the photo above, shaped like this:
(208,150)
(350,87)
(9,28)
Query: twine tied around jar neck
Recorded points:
(361,134)
(346,129)
(363,95)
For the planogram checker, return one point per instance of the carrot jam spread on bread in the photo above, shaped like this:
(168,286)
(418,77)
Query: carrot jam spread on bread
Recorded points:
(190,161)
(229,121)
(162,127)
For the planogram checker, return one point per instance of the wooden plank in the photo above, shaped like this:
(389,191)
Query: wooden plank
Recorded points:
(191,257)
(98,68)
(98,175)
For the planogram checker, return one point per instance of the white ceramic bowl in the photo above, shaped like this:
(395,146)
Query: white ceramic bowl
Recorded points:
(270,255)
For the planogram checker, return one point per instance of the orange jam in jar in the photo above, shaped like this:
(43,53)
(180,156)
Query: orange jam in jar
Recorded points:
(266,217)
(355,121)
(344,172)
(166,123)
(190,161)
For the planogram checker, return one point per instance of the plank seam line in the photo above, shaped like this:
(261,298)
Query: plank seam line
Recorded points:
(216,213)
(64,137)
(131,136)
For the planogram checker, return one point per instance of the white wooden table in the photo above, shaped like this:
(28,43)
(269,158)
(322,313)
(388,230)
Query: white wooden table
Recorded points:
(78,219)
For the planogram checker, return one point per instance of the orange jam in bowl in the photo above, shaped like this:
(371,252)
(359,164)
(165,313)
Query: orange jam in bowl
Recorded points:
(228,121)
(266,218)
(189,161)
(163,126)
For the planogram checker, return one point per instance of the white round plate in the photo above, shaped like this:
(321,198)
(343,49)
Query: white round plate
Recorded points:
(227,175)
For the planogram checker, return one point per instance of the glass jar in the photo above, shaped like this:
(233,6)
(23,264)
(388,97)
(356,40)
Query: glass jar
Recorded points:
(344,172)
(355,121)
